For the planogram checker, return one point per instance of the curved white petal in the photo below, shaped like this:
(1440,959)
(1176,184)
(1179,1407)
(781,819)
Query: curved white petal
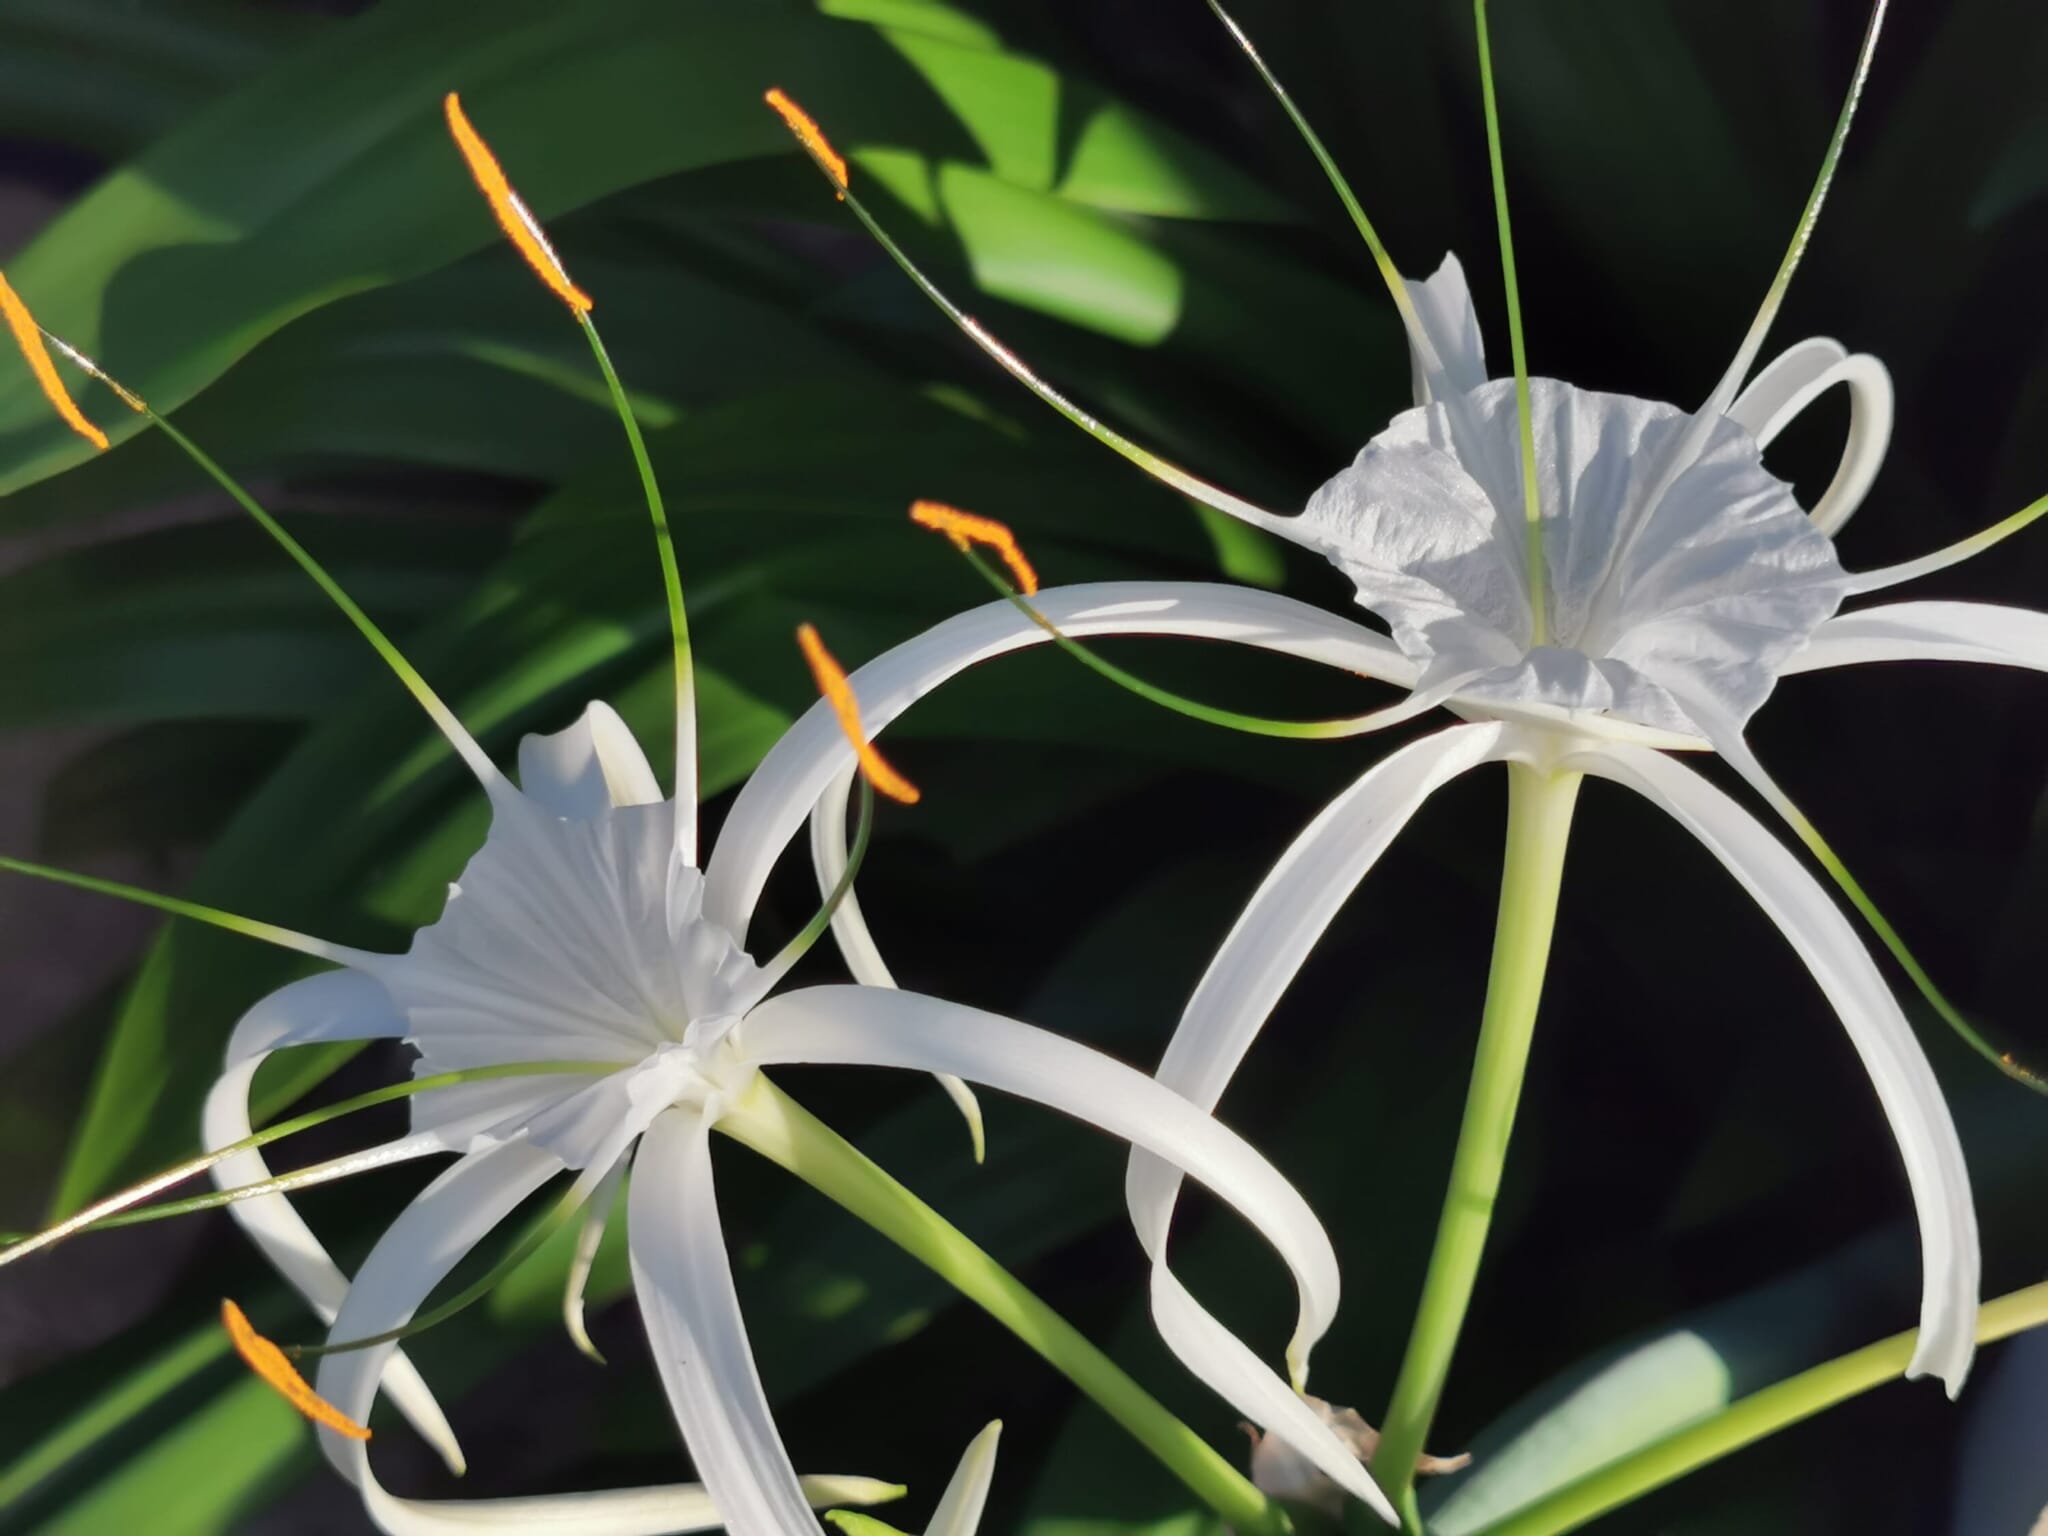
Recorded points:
(1929,631)
(692,1313)
(1443,306)
(580,773)
(428,1240)
(1278,928)
(856,1026)
(1798,377)
(588,1237)
(332,1006)
(1905,1083)
(802,765)
(850,930)
(960,1506)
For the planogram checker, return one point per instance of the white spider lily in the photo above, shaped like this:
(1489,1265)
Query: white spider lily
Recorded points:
(606,1009)
(580,934)
(1590,581)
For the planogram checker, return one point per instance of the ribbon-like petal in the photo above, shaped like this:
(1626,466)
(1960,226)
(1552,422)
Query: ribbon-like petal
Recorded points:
(865,1026)
(800,767)
(684,1282)
(1899,1070)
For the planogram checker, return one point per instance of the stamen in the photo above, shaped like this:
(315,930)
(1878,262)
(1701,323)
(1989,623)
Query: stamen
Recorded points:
(810,135)
(29,337)
(1252,725)
(838,692)
(968,528)
(514,217)
(128,397)
(269,1363)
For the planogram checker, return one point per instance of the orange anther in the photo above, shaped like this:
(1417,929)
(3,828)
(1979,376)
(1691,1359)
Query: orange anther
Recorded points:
(514,217)
(838,692)
(268,1362)
(29,337)
(969,528)
(810,135)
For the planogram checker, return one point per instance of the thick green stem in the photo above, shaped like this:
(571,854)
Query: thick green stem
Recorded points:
(1539,823)
(784,1132)
(1755,1417)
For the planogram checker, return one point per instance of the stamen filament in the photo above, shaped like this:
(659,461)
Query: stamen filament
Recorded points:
(588,1238)
(1397,287)
(269,1363)
(1539,623)
(513,216)
(443,717)
(1745,355)
(1887,935)
(1160,469)
(115,1210)
(1208,714)
(815,929)
(532,243)
(672,588)
(565,1209)
(29,337)
(248,927)
(838,692)
(1953,554)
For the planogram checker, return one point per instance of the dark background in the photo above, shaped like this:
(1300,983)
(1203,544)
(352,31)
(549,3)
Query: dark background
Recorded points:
(1698,1149)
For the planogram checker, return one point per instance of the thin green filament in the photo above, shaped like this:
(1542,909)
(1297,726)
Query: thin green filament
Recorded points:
(672,587)
(116,1210)
(442,716)
(564,1210)
(1539,623)
(1952,554)
(248,927)
(1802,233)
(1160,469)
(1389,274)
(814,930)
(1194,709)
(1889,937)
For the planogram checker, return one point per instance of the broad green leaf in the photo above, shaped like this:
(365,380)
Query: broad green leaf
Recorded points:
(330,174)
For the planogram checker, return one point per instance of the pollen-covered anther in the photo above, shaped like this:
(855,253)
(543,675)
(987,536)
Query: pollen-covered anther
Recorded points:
(269,1362)
(838,692)
(810,135)
(29,337)
(514,217)
(967,529)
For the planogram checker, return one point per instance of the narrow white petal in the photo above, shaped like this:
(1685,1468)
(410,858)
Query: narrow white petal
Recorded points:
(1279,927)
(802,765)
(335,1005)
(856,1026)
(1929,631)
(429,1239)
(960,1506)
(1905,1083)
(692,1313)
(580,773)
(850,929)
(1443,307)
(1230,1369)
(588,1237)
(1797,378)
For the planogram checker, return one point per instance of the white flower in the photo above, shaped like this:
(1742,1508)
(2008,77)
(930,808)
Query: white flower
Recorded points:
(581,934)
(1684,579)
